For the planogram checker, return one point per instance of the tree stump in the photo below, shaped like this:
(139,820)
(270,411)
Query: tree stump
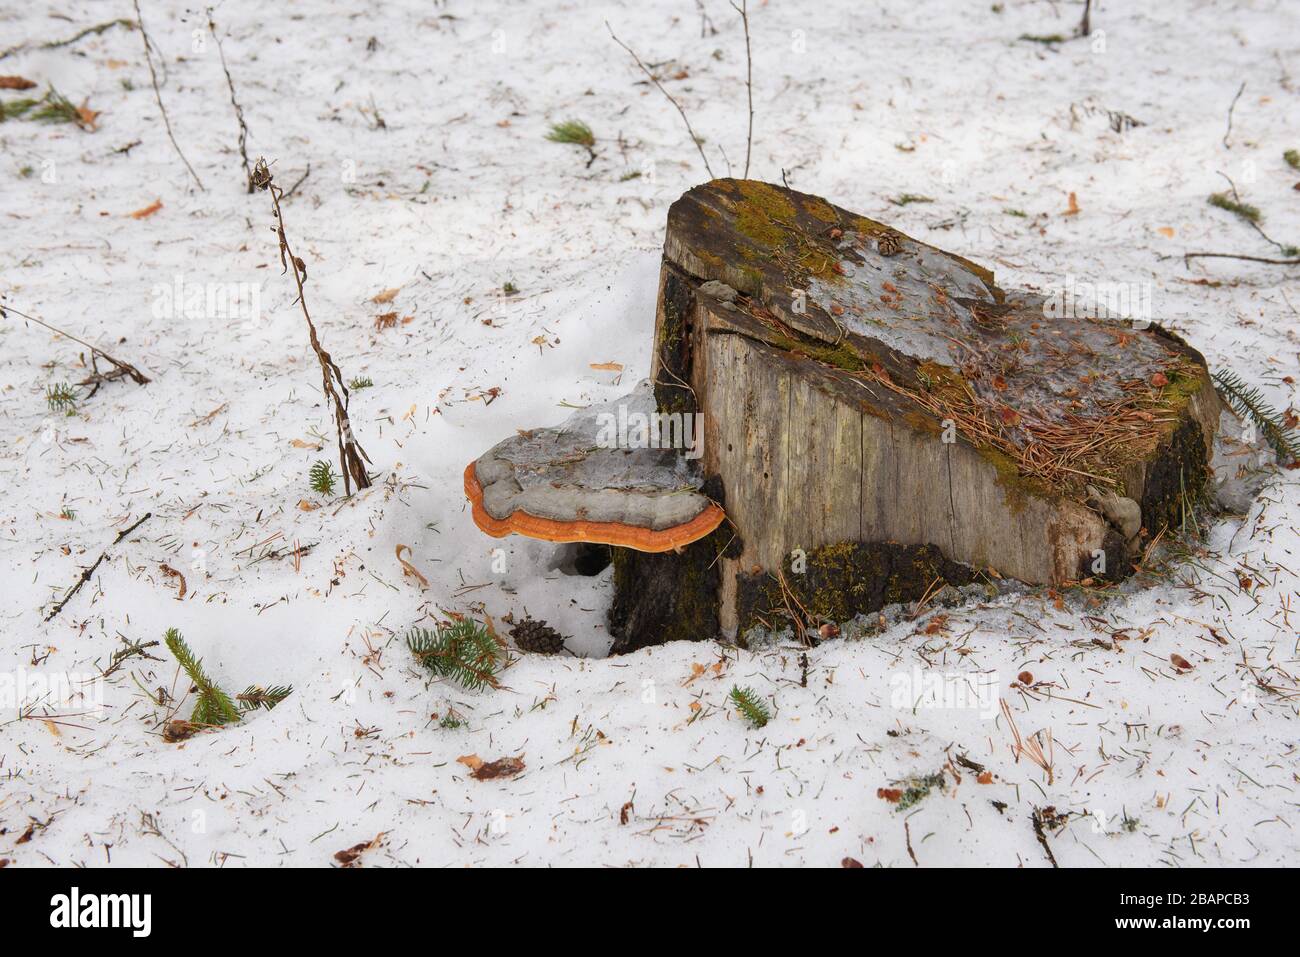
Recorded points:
(880,418)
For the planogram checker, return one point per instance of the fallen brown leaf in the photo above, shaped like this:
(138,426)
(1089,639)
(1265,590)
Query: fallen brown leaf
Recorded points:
(15,83)
(1179,662)
(173,573)
(87,117)
(892,795)
(387,295)
(1073,209)
(179,730)
(500,768)
(482,770)
(350,857)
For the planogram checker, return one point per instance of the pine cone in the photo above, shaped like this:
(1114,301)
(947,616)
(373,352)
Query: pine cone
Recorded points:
(537,637)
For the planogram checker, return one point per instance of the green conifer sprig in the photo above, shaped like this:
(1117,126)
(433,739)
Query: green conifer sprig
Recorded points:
(255,696)
(750,705)
(61,397)
(13,109)
(1248,402)
(322,478)
(53,107)
(463,650)
(1233,205)
(214,706)
(575,132)
(56,108)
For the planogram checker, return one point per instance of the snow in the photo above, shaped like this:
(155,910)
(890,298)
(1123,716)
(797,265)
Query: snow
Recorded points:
(458,193)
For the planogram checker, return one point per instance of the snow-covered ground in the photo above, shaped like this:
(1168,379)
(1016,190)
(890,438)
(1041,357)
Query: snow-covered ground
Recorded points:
(423,126)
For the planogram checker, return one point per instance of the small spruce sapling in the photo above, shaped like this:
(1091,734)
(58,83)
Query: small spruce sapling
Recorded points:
(214,707)
(61,397)
(322,478)
(750,706)
(575,133)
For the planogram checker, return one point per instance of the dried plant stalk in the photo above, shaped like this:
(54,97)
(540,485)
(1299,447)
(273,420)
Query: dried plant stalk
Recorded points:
(157,94)
(352,458)
(239,110)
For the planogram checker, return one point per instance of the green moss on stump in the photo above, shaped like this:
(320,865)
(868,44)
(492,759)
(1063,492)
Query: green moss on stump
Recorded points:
(759,210)
(847,579)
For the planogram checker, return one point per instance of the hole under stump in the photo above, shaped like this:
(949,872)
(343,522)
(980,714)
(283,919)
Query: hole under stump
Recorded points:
(581,558)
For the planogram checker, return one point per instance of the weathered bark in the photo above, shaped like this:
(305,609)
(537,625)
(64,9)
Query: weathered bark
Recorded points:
(858,386)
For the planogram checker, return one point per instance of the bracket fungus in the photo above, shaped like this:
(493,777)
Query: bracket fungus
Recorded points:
(613,474)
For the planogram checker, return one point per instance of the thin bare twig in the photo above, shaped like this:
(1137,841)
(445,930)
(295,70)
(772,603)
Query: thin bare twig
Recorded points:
(294,188)
(153,75)
(352,458)
(706,24)
(239,110)
(85,575)
(124,368)
(655,80)
(1253,259)
(743,10)
(1227,133)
